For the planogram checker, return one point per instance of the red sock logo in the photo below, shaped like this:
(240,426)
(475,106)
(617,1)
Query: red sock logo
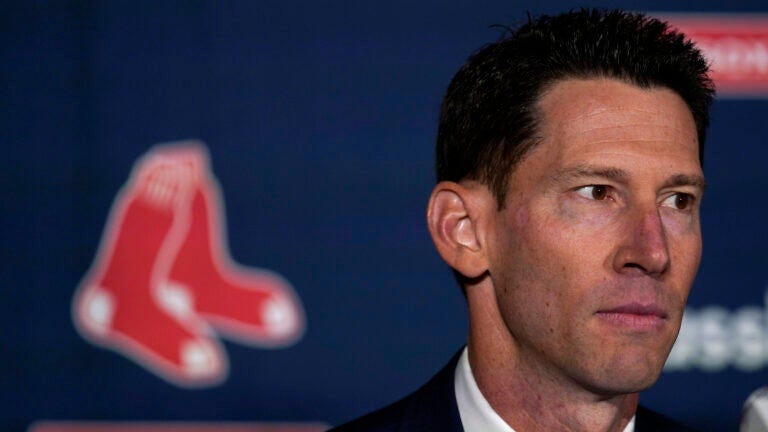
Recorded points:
(163,284)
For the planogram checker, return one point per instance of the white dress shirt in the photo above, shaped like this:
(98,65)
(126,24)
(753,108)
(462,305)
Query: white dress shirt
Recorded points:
(476,413)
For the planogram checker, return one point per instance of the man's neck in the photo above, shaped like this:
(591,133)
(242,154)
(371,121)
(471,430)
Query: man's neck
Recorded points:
(528,396)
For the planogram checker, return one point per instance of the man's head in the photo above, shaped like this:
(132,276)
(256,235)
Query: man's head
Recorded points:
(490,117)
(569,156)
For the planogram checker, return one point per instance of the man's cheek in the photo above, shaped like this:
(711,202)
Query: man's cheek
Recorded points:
(679,223)
(574,234)
(576,213)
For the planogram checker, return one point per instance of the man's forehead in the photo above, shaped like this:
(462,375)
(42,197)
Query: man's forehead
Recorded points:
(600,112)
(607,124)
(587,104)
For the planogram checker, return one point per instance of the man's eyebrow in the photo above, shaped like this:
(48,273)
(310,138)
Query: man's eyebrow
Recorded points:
(619,175)
(579,171)
(686,180)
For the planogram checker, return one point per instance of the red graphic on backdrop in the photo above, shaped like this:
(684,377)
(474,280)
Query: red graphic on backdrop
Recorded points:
(128,426)
(736,45)
(163,286)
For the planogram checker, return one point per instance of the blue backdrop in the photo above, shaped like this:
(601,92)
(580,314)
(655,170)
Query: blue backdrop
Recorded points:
(320,120)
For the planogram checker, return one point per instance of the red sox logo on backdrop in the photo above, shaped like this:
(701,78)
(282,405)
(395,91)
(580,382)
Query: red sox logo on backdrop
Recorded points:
(163,286)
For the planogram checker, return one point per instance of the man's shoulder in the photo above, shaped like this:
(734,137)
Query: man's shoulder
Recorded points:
(647,420)
(394,418)
(430,408)
(387,419)
(433,408)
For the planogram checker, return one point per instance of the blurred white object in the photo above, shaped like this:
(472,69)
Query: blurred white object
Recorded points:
(754,415)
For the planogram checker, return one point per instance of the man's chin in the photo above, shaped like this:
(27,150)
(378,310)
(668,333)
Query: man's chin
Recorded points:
(625,374)
(626,381)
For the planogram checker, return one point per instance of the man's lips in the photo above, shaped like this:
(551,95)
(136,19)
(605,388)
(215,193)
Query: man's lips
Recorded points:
(635,316)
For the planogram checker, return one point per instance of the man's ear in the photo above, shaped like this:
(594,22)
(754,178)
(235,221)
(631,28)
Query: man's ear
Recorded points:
(454,217)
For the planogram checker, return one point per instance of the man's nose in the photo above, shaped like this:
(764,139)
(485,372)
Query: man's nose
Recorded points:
(644,247)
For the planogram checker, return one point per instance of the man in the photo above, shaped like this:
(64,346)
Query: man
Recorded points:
(569,168)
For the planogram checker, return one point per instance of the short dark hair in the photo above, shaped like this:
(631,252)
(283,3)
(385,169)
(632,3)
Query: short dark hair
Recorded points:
(489,117)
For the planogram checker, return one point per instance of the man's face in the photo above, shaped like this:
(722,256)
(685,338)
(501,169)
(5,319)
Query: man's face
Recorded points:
(594,253)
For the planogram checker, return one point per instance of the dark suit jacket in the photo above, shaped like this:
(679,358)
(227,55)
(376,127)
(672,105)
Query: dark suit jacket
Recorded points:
(433,408)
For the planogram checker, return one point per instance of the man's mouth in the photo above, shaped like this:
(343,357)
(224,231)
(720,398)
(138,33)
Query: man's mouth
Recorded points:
(634,316)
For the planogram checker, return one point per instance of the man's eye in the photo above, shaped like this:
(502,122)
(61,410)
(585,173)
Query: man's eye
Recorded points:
(594,192)
(679,201)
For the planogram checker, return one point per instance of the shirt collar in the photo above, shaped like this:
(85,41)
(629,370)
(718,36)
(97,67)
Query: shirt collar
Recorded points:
(476,413)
